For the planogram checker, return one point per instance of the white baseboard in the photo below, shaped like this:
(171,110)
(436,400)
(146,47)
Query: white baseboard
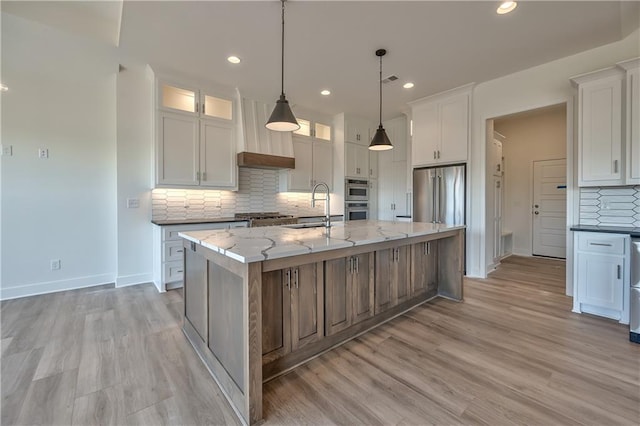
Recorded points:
(522,253)
(127,280)
(54,286)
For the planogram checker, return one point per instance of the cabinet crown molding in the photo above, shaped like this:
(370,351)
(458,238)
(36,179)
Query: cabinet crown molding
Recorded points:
(467,88)
(629,64)
(596,75)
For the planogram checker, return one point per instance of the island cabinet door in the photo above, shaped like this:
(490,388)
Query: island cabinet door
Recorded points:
(402,279)
(385,262)
(337,294)
(424,267)
(195,292)
(276,322)
(363,286)
(307,306)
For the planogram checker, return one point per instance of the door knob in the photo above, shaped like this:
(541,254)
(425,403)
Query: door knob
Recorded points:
(536,206)
(536,212)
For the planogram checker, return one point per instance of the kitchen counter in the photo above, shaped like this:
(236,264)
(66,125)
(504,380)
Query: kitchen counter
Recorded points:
(634,232)
(261,301)
(248,245)
(195,221)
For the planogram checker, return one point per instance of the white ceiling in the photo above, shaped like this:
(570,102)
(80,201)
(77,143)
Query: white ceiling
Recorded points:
(331,44)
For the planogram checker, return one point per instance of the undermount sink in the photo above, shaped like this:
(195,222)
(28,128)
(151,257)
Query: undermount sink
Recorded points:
(304,225)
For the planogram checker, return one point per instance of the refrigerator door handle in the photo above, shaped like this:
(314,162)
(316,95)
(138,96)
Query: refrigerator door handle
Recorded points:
(439,197)
(434,218)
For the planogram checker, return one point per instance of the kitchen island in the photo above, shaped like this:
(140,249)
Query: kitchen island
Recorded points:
(260,301)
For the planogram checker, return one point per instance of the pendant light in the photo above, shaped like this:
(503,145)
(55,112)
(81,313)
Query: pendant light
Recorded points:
(282,118)
(380,141)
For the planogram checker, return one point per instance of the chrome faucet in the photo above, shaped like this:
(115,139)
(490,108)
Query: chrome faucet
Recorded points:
(327,203)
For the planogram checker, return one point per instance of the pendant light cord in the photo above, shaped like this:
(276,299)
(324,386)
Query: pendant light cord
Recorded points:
(380,91)
(282,55)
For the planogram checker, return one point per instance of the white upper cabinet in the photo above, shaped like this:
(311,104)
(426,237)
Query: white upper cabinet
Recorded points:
(357,130)
(393,172)
(632,119)
(313,152)
(259,139)
(356,161)
(600,128)
(196,138)
(441,127)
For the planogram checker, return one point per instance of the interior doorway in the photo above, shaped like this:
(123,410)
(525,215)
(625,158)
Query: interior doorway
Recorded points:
(530,142)
(549,208)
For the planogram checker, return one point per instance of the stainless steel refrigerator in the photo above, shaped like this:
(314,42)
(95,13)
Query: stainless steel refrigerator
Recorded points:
(439,194)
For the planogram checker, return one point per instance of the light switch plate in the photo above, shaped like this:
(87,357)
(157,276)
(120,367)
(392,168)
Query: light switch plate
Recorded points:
(7,150)
(133,203)
(43,153)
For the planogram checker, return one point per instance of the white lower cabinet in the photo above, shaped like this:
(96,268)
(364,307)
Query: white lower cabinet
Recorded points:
(168,251)
(601,275)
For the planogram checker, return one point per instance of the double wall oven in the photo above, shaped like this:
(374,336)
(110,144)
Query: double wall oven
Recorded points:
(356,199)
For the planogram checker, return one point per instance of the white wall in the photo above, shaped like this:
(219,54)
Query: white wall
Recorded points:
(536,87)
(61,97)
(134,173)
(539,135)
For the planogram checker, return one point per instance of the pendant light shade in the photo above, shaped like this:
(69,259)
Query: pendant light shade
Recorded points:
(380,141)
(282,118)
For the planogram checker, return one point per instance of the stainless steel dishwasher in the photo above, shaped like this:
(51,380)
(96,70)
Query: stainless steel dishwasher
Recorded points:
(634,302)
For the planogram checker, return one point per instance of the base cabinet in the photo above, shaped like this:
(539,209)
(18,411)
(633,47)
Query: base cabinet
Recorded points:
(391,278)
(292,309)
(601,275)
(195,296)
(349,291)
(424,268)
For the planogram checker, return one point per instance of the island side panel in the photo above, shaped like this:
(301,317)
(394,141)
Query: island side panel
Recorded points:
(451,266)
(233,356)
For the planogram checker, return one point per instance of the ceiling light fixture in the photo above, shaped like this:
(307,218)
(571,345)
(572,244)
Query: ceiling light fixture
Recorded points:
(325,92)
(282,118)
(408,85)
(233,59)
(506,7)
(3,87)
(380,141)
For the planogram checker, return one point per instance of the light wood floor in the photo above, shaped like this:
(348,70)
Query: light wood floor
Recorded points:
(511,353)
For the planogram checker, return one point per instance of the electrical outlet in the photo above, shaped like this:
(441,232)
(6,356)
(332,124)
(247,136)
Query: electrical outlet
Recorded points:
(606,205)
(133,203)
(7,151)
(55,264)
(43,153)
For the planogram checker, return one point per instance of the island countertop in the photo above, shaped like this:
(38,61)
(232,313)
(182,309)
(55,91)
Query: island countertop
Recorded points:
(248,245)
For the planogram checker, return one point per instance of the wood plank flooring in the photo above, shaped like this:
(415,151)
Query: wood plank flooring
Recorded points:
(511,353)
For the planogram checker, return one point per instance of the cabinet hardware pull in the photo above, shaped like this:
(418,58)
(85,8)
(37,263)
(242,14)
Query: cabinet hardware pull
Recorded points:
(619,272)
(203,105)
(351,265)
(615,166)
(178,251)
(196,107)
(198,176)
(295,276)
(600,244)
(371,172)
(204,175)
(438,154)
(179,271)
(434,155)
(288,281)
(357,264)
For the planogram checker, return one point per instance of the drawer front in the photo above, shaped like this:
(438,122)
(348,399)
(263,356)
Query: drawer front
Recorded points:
(596,242)
(172,250)
(173,271)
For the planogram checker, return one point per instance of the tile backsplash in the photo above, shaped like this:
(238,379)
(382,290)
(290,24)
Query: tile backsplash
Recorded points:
(610,206)
(257,192)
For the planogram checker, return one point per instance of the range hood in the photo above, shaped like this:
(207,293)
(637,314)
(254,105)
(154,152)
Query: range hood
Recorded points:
(265,161)
(260,147)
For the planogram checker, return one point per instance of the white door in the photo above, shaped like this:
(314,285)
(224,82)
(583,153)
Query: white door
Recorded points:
(217,154)
(177,150)
(549,208)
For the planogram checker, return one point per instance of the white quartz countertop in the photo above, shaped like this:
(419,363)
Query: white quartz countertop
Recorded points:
(248,245)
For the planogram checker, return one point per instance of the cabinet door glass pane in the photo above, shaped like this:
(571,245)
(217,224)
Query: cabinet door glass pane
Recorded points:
(219,108)
(323,131)
(305,127)
(176,98)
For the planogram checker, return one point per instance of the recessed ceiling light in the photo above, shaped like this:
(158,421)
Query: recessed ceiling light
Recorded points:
(408,85)
(3,87)
(233,59)
(506,7)
(325,92)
